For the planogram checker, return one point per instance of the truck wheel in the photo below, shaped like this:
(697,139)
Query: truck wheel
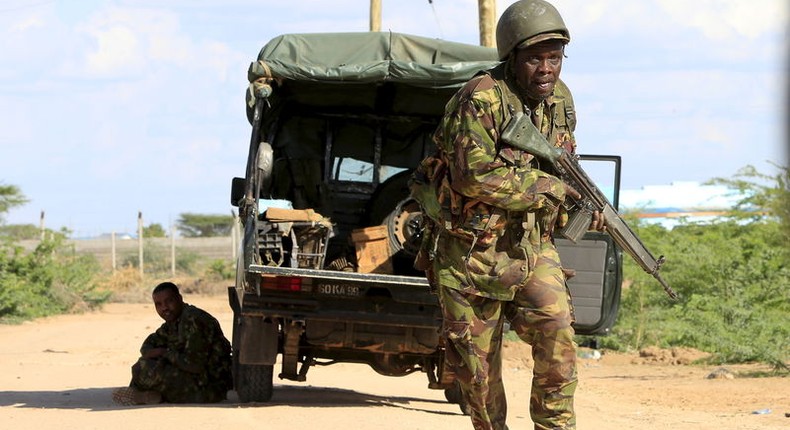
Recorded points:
(254,382)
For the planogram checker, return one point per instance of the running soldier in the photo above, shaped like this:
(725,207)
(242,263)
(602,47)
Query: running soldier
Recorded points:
(493,209)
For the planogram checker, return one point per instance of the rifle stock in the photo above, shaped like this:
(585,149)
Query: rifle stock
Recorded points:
(522,134)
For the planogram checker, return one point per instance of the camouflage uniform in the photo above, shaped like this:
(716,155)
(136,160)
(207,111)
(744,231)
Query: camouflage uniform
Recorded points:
(493,255)
(197,365)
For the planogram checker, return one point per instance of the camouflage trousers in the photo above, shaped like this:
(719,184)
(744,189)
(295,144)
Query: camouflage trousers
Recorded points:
(175,385)
(541,314)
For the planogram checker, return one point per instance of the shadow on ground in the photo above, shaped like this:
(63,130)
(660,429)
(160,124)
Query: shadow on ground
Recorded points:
(100,399)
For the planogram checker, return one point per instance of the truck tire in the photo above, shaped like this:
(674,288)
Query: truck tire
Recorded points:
(254,382)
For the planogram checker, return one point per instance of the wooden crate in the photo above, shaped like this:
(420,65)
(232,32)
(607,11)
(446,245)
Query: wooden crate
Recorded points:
(373,249)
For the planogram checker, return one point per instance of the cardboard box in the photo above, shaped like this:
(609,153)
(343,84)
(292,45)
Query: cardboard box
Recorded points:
(373,249)
(280,214)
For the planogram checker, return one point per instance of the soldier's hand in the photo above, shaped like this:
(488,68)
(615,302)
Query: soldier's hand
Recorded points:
(598,222)
(154,353)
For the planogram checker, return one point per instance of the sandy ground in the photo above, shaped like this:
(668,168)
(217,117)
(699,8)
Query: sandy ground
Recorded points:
(58,373)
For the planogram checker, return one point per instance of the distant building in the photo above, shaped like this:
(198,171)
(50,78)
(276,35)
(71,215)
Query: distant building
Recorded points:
(669,204)
(118,236)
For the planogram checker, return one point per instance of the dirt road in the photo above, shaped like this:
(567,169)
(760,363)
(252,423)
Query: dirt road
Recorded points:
(58,373)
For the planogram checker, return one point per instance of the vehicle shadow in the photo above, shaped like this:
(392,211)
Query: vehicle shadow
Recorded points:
(100,399)
(311,396)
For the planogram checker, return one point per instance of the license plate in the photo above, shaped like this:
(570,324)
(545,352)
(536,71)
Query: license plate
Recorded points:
(343,290)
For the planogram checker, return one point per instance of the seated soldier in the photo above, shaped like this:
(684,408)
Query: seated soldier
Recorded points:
(187,360)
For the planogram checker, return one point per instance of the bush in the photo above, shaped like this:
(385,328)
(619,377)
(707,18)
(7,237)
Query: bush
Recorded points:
(733,278)
(221,270)
(50,279)
(733,281)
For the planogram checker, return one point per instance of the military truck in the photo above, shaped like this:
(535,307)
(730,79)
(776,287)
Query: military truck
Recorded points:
(325,271)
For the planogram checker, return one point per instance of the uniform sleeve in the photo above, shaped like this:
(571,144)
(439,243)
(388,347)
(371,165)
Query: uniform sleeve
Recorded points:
(192,350)
(154,340)
(468,134)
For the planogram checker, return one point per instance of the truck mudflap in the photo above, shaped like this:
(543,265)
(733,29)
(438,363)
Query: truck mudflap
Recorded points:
(258,340)
(255,337)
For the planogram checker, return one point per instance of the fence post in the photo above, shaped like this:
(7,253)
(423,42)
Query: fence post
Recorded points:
(172,251)
(112,251)
(140,242)
(41,225)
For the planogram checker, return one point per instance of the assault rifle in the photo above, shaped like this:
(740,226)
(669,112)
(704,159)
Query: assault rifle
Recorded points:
(522,134)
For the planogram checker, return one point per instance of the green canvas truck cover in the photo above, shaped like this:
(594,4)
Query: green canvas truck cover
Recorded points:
(370,57)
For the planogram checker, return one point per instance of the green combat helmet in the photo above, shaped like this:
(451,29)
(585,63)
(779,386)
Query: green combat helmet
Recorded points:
(527,22)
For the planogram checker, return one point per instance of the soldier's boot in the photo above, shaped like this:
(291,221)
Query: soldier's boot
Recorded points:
(128,396)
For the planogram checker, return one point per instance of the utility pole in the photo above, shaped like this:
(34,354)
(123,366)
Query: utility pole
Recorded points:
(487,17)
(375,15)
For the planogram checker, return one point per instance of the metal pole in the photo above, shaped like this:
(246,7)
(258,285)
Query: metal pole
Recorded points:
(375,15)
(487,18)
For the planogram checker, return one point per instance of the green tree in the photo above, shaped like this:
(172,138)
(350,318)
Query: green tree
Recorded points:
(762,194)
(20,231)
(10,196)
(154,230)
(203,225)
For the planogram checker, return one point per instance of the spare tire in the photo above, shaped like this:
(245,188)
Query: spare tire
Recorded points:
(404,225)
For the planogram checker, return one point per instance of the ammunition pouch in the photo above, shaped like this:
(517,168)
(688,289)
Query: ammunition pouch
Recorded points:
(469,219)
(479,223)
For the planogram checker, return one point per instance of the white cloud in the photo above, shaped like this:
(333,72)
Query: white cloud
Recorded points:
(118,52)
(729,19)
(224,62)
(130,41)
(28,23)
(725,29)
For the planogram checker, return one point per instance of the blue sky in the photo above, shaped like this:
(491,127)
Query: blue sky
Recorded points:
(108,108)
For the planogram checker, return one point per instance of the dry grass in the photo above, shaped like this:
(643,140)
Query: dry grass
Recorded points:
(127,286)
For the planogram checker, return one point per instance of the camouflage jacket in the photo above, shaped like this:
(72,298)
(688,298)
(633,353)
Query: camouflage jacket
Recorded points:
(483,168)
(494,206)
(195,343)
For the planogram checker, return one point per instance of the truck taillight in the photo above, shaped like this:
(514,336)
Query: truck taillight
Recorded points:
(282,283)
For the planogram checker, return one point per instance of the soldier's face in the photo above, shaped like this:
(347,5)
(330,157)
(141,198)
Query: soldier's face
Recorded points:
(538,67)
(168,305)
